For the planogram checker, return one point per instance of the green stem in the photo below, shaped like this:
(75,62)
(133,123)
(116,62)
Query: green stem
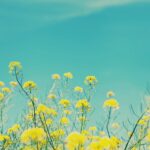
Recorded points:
(108,121)
(133,131)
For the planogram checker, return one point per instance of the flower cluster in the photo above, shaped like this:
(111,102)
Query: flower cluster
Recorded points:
(62,119)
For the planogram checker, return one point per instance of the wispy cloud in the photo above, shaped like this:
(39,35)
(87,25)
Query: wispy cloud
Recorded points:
(26,13)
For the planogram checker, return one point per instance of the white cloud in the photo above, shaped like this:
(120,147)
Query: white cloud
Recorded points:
(28,13)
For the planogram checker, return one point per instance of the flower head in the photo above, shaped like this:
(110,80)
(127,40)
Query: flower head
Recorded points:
(110,94)
(68,75)
(49,121)
(15,128)
(29,85)
(57,133)
(13,83)
(75,139)
(64,102)
(91,80)
(64,120)
(67,112)
(111,103)
(78,89)
(6,90)
(2,83)
(33,135)
(92,128)
(52,96)
(46,110)
(1,96)
(56,76)
(83,103)
(15,65)
(115,125)
(4,137)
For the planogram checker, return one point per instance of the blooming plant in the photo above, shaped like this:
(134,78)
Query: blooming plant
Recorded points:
(62,120)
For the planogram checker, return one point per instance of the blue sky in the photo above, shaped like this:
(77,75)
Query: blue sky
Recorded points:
(109,39)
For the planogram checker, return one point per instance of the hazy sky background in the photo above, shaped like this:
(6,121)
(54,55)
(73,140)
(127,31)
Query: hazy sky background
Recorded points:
(109,39)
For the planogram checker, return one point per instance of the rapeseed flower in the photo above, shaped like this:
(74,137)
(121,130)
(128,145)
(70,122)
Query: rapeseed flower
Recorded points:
(14,65)
(83,103)
(78,89)
(67,112)
(68,75)
(33,135)
(64,120)
(52,96)
(115,126)
(29,85)
(56,76)
(2,83)
(49,121)
(13,83)
(57,134)
(111,103)
(75,140)
(1,96)
(91,80)
(92,128)
(64,102)
(6,90)
(110,94)
(14,129)
(46,110)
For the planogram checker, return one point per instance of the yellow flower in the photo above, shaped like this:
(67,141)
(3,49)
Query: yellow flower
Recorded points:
(129,133)
(82,118)
(30,104)
(85,132)
(144,120)
(102,133)
(4,137)
(2,83)
(148,136)
(15,128)
(91,80)
(64,102)
(29,148)
(35,99)
(110,94)
(46,110)
(112,103)
(6,90)
(134,148)
(68,75)
(115,126)
(112,143)
(57,133)
(95,146)
(83,103)
(74,140)
(1,137)
(115,142)
(13,83)
(92,128)
(29,85)
(1,96)
(29,117)
(55,76)
(33,135)
(64,120)
(15,65)
(49,121)
(67,112)
(78,89)
(52,96)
